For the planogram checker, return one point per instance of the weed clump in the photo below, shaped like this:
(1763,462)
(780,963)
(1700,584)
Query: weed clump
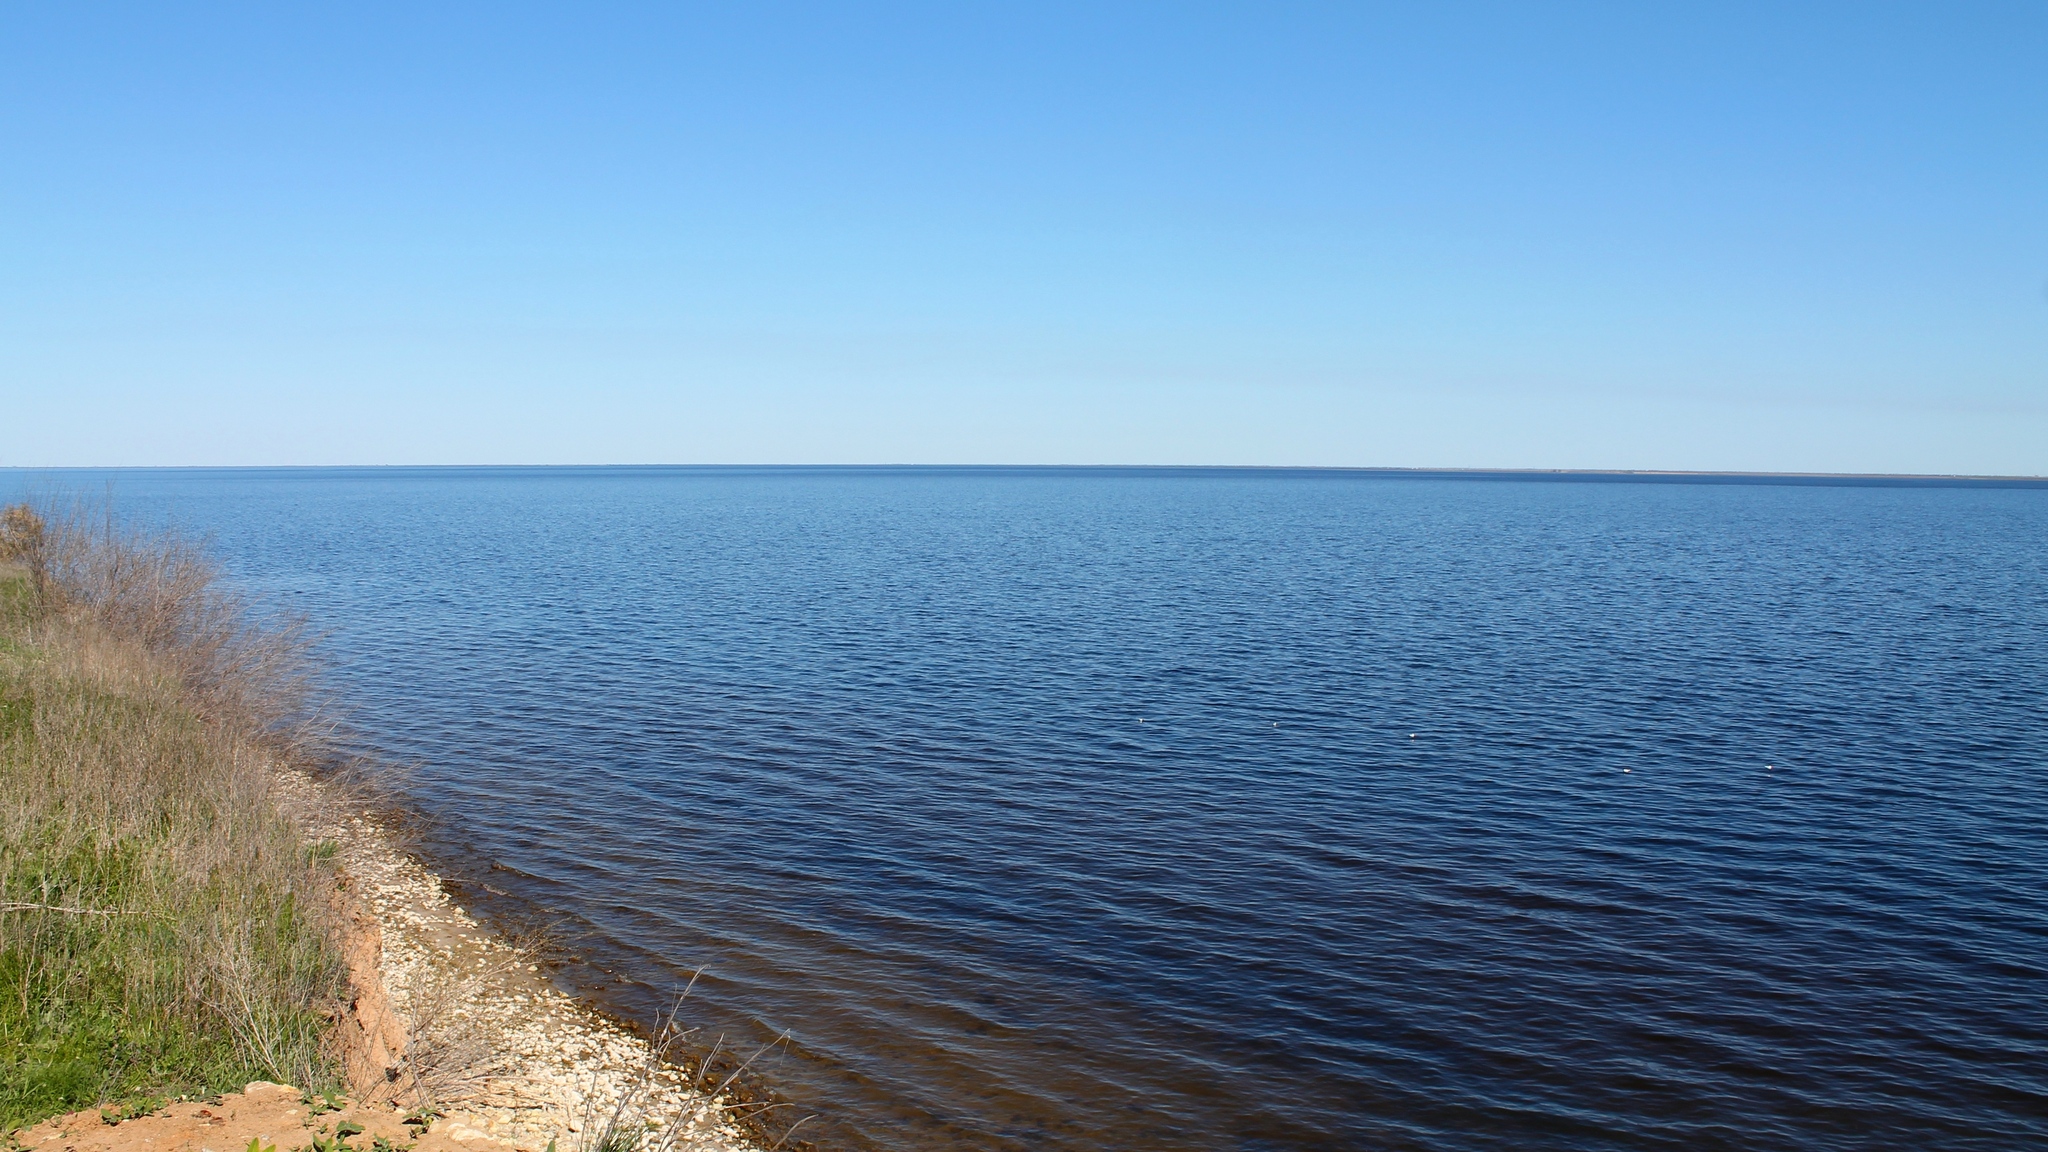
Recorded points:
(162,926)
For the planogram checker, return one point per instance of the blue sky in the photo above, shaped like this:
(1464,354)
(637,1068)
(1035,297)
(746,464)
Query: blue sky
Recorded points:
(1781,237)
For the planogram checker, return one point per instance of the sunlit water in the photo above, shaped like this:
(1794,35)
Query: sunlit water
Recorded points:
(1126,810)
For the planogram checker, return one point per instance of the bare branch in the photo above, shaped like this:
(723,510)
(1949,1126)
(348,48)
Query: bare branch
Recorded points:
(17,906)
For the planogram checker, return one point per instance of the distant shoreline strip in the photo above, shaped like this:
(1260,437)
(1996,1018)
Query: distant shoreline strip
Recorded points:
(1565,475)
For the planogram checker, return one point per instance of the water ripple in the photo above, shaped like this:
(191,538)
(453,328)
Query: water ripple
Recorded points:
(1212,810)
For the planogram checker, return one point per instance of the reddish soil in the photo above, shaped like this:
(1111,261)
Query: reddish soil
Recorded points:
(274,1115)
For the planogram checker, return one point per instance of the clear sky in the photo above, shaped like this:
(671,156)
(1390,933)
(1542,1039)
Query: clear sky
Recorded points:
(1707,236)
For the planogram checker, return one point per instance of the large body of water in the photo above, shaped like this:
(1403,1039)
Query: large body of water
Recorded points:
(1221,810)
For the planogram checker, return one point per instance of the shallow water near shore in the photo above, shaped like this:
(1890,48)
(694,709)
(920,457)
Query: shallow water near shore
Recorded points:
(1079,809)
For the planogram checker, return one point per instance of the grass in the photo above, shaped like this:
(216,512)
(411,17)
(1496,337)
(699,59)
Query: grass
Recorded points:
(163,929)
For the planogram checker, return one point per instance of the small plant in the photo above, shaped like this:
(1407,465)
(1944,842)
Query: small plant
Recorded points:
(133,1109)
(422,1118)
(380,1144)
(323,1102)
(617,1138)
(338,1142)
(256,1144)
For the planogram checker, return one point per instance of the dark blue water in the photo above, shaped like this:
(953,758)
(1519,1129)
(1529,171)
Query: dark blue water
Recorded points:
(1237,811)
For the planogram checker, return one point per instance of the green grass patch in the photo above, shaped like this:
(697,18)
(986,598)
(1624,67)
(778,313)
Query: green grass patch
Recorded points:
(17,597)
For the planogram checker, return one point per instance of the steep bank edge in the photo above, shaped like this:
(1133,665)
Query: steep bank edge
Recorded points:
(444,1010)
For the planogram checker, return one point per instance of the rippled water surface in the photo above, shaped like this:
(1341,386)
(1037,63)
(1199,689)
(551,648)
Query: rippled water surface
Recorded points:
(1125,810)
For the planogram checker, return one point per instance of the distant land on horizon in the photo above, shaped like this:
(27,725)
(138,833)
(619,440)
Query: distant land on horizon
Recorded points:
(1588,475)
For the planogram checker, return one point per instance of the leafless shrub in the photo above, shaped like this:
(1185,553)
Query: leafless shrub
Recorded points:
(452,1054)
(258,1003)
(21,536)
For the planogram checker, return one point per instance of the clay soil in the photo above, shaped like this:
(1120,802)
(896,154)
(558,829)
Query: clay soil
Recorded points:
(274,1116)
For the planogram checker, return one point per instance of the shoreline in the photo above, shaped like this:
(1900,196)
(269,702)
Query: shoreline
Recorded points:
(483,1028)
(453,1040)
(230,914)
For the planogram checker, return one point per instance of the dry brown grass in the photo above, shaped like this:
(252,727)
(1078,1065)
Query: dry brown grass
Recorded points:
(162,592)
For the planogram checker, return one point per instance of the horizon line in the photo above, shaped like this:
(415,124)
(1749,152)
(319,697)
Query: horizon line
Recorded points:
(1391,471)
